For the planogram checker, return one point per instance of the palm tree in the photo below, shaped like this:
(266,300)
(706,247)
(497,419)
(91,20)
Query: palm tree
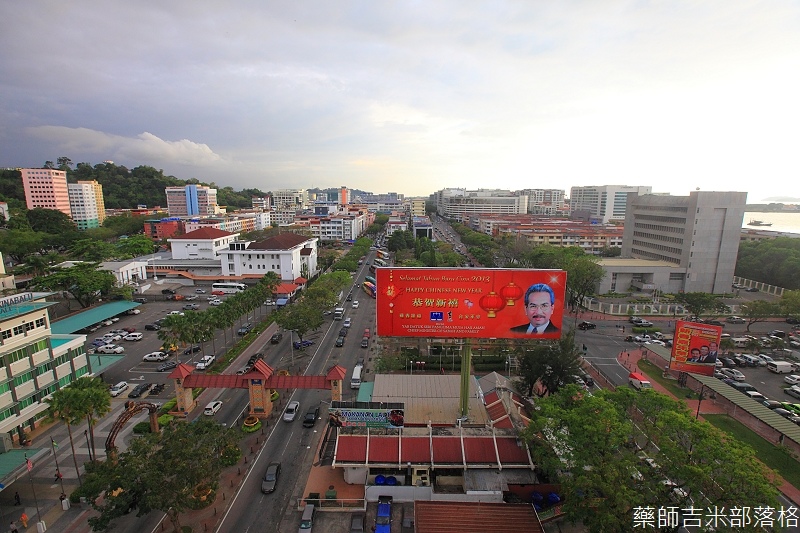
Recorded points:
(67,405)
(97,403)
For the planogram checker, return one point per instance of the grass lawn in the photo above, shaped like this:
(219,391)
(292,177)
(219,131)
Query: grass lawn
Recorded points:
(771,455)
(656,374)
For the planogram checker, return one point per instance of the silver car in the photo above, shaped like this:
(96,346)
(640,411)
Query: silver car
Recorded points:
(291,411)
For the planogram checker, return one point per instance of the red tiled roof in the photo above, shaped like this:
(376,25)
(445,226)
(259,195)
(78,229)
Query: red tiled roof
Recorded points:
(511,452)
(300,280)
(215,381)
(285,288)
(416,450)
(305,251)
(298,382)
(475,517)
(203,233)
(478,451)
(181,371)
(336,372)
(384,450)
(351,448)
(447,450)
(284,241)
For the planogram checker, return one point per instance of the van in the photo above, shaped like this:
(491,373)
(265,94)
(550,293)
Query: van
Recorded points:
(639,381)
(751,360)
(338,313)
(780,367)
(740,342)
(355,381)
(756,395)
(743,387)
(307,521)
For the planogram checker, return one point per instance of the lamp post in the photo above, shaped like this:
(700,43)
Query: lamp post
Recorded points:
(153,259)
(58,470)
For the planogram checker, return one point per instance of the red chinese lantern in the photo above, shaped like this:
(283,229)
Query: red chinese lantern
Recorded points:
(511,292)
(491,303)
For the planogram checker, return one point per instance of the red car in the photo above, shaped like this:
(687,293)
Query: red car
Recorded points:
(129,330)
(218,293)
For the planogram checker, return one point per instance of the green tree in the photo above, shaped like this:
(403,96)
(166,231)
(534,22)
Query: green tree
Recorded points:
(125,225)
(50,221)
(759,311)
(68,406)
(19,244)
(96,402)
(300,318)
(91,250)
(700,303)
(790,303)
(83,281)
(134,246)
(552,364)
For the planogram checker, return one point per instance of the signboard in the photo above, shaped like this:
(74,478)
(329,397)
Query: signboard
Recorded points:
(470,302)
(695,347)
(366,418)
(7,304)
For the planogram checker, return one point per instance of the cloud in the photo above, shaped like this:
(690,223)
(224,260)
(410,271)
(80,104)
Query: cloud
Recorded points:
(145,147)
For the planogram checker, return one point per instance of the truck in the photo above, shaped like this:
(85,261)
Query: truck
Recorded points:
(338,313)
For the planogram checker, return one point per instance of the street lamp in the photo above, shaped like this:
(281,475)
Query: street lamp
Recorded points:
(155,276)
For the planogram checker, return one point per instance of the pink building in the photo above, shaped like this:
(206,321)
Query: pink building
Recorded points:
(46,188)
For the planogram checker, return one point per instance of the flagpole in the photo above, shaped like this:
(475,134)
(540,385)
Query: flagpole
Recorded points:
(58,470)
(29,465)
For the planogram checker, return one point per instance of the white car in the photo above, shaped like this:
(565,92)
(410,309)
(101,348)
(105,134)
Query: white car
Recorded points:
(191,297)
(642,338)
(119,388)
(212,297)
(200,291)
(110,348)
(212,408)
(155,356)
(347,322)
(179,313)
(656,341)
(214,303)
(291,411)
(133,337)
(733,374)
(112,337)
(355,304)
(794,379)
(205,362)
(134,311)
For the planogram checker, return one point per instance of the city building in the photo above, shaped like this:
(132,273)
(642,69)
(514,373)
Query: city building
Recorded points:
(46,188)
(422,227)
(397,222)
(203,243)
(289,255)
(7,282)
(240,222)
(342,226)
(697,236)
(416,207)
(260,203)
(164,228)
(290,199)
(459,203)
(592,239)
(129,272)
(191,200)
(606,202)
(545,201)
(86,206)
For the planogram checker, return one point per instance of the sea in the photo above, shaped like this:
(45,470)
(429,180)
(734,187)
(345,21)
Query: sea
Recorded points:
(783,222)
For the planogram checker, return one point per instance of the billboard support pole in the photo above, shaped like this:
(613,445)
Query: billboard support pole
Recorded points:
(466,363)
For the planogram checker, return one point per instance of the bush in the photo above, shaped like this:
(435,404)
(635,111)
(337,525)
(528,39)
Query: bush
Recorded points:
(252,428)
(142,428)
(230,456)
(169,406)
(164,420)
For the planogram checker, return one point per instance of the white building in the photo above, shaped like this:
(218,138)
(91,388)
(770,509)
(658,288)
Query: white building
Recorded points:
(87,208)
(545,201)
(290,199)
(458,203)
(606,202)
(289,255)
(203,243)
(126,272)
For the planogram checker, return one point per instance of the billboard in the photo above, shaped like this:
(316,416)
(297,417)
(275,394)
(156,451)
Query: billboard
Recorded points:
(470,302)
(695,347)
(366,418)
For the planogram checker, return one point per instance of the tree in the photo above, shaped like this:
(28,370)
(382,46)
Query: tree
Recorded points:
(790,303)
(551,364)
(67,405)
(96,402)
(19,244)
(134,246)
(583,276)
(124,225)
(50,221)
(759,311)
(300,317)
(91,250)
(162,472)
(699,303)
(83,281)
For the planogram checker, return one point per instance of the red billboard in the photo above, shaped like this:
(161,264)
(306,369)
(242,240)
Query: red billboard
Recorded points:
(470,302)
(695,347)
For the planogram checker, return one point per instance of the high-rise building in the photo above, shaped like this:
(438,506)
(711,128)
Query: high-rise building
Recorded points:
(458,203)
(290,199)
(699,233)
(545,201)
(85,205)
(46,188)
(191,200)
(606,202)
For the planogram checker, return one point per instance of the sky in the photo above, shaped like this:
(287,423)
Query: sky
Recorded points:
(411,97)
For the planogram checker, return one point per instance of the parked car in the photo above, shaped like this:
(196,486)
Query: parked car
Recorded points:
(191,307)
(155,357)
(133,337)
(110,348)
(642,338)
(793,391)
(152,327)
(299,345)
(139,389)
(771,404)
(192,349)
(727,362)
(200,291)
(244,330)
(168,365)
(752,289)
(276,338)
(99,342)
(339,341)
(587,325)
(735,320)
(205,363)
(119,388)
(348,322)
(383,518)
(740,360)
(767,359)
(634,320)
(793,379)
(645,324)
(310,417)
(128,330)
(792,320)
(270,477)
(112,337)
(167,291)
(733,374)
(291,411)
(212,408)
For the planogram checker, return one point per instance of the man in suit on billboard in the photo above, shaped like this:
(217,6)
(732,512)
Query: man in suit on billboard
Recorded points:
(539,303)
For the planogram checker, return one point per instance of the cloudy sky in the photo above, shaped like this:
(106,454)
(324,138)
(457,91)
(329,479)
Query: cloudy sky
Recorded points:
(411,97)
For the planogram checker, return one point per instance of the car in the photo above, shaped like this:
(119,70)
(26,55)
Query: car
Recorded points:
(777,333)
(588,379)
(366,333)
(740,360)
(715,323)
(110,348)
(355,304)
(152,327)
(244,330)
(119,388)
(727,362)
(212,408)
(205,362)
(191,307)
(365,342)
(735,320)
(276,338)
(291,411)
(634,320)
(168,348)
(587,325)
(191,297)
(793,391)
(656,341)
(383,518)
(299,345)
(212,297)
(767,359)
(357,522)
(178,313)
(117,332)
(155,357)
(310,417)
(192,349)
(128,330)
(112,337)
(133,337)
(200,291)
(348,322)
(255,357)
(157,390)
(215,302)
(349,297)
(244,370)
(719,375)
(793,379)
(783,412)
(139,389)
(339,341)
(793,407)
(218,293)
(140,300)
(167,291)
(270,477)
(642,338)
(772,404)
(99,342)
(645,324)
(343,332)
(168,365)
(733,374)
(792,320)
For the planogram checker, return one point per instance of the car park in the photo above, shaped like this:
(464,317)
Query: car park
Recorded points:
(139,389)
(110,348)
(119,388)
(270,479)
(133,337)
(587,325)
(310,417)
(155,357)
(276,338)
(152,327)
(205,362)
(212,408)
(168,365)
(291,411)
(793,379)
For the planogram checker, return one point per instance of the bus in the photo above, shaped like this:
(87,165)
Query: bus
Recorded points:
(370,289)
(355,381)
(371,280)
(228,287)
(372,268)
(379,262)
(382,255)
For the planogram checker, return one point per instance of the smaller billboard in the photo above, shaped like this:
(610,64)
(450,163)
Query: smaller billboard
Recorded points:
(366,418)
(695,347)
